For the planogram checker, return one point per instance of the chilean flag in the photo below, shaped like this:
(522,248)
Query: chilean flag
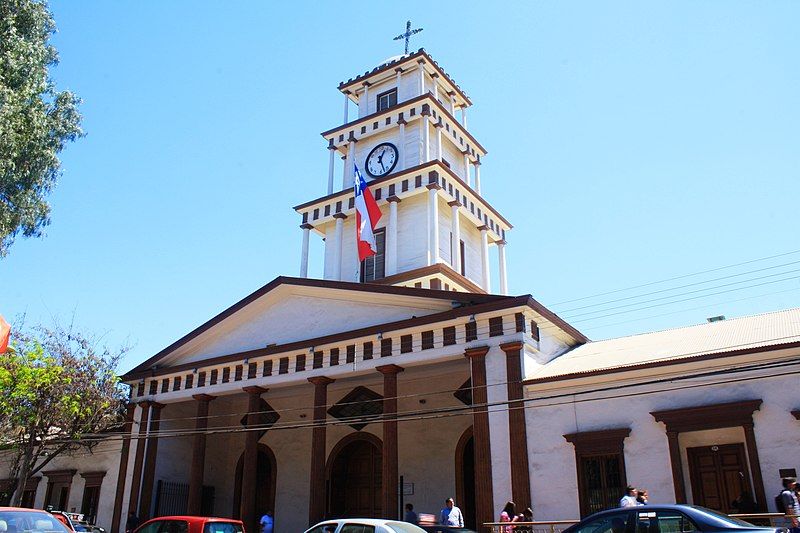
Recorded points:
(367,216)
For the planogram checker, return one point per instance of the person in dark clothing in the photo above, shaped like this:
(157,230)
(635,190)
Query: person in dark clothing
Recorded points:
(132,522)
(410,516)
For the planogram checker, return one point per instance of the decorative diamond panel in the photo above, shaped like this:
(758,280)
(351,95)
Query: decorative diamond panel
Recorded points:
(359,407)
(464,393)
(266,418)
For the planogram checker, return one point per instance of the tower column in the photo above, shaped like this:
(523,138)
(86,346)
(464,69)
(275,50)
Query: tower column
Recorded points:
(337,246)
(349,162)
(346,105)
(433,223)
(435,77)
(331,161)
(421,69)
(250,462)
(304,251)
(402,123)
(196,474)
(439,126)
(316,504)
(466,168)
(455,249)
(485,258)
(150,460)
(484,500)
(389,466)
(478,177)
(366,99)
(463,116)
(501,260)
(425,134)
(452,96)
(391,236)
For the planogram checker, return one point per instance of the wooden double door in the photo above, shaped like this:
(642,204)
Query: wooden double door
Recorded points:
(720,477)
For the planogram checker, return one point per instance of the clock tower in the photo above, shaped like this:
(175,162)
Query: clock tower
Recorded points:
(410,140)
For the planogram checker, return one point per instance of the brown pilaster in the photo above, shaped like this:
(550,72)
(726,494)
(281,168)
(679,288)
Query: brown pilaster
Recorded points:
(150,461)
(517,432)
(484,502)
(123,467)
(136,482)
(316,505)
(198,455)
(755,467)
(250,466)
(389,469)
(677,466)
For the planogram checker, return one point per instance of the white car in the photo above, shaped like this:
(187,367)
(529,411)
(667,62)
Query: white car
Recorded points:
(364,525)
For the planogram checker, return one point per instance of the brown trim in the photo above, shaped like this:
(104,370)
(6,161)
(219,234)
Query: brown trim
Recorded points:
(145,369)
(250,462)
(93,479)
(600,442)
(665,362)
(237,484)
(316,503)
(517,432)
(421,56)
(715,416)
(389,456)
(197,469)
(428,99)
(438,268)
(123,467)
(151,455)
(721,415)
(136,483)
(60,476)
(494,303)
(484,501)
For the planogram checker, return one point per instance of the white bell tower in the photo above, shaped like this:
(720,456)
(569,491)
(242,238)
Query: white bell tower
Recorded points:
(410,140)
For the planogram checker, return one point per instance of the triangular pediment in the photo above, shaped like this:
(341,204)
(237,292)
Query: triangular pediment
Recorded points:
(292,310)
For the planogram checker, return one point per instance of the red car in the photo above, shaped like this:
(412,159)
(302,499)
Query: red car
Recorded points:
(17,520)
(190,524)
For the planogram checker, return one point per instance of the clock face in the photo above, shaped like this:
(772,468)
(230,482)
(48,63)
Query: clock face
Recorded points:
(381,160)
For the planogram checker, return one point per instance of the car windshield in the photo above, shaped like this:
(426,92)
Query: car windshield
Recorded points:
(722,517)
(403,527)
(30,521)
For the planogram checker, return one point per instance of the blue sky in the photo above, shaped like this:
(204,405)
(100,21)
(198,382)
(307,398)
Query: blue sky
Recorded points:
(629,142)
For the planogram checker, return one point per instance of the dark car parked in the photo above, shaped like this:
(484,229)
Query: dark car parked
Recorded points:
(664,519)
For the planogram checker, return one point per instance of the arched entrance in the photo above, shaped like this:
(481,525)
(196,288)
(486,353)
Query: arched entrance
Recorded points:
(465,477)
(265,482)
(354,477)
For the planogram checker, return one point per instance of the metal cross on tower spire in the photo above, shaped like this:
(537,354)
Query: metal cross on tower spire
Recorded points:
(409,32)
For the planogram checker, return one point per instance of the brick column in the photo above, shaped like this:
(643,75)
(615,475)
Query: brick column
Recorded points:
(250,466)
(123,467)
(484,500)
(677,468)
(517,432)
(389,467)
(136,482)
(755,466)
(150,461)
(197,472)
(316,504)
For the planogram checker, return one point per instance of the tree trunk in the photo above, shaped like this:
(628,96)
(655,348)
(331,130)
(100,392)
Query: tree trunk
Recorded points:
(22,477)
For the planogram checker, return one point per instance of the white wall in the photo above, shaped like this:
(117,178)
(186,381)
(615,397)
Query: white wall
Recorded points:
(552,458)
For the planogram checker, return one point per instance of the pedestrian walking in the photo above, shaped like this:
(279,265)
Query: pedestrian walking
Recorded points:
(787,499)
(410,516)
(132,522)
(629,500)
(451,515)
(641,497)
(508,514)
(267,522)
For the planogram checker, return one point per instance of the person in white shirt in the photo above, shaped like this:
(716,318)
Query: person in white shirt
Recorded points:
(451,515)
(629,500)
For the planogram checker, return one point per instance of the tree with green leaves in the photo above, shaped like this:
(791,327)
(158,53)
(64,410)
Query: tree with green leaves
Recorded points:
(59,392)
(36,120)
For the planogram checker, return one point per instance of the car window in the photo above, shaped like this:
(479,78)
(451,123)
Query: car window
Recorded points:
(666,521)
(222,527)
(610,523)
(174,526)
(151,527)
(324,528)
(402,527)
(357,528)
(37,521)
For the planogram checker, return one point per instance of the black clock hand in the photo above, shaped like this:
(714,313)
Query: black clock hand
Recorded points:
(380,160)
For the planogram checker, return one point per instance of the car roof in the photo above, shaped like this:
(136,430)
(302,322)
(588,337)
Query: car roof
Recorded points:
(196,518)
(22,509)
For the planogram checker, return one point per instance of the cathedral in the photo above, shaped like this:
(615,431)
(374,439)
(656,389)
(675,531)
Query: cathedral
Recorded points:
(412,376)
